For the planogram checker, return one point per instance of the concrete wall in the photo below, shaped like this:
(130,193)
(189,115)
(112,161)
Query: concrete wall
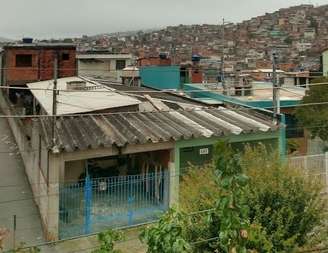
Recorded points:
(316,146)
(18,129)
(105,68)
(161,77)
(289,81)
(325,63)
(73,170)
(154,61)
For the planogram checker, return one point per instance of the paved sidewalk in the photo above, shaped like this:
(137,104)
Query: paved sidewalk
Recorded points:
(16,199)
(14,186)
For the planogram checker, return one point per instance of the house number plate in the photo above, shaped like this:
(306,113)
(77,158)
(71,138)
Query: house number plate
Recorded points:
(203,151)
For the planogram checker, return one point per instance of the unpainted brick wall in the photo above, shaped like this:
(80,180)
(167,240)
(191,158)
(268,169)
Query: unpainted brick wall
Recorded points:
(42,65)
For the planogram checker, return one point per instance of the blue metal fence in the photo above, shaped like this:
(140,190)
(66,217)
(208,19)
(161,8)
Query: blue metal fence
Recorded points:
(97,204)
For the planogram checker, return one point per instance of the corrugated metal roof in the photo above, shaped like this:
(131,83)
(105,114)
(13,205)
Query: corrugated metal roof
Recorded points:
(83,132)
(70,102)
(163,95)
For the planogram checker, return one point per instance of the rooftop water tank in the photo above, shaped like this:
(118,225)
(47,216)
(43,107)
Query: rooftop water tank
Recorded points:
(163,56)
(195,58)
(27,40)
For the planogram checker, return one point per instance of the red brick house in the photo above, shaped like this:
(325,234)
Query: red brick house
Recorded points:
(29,62)
(154,61)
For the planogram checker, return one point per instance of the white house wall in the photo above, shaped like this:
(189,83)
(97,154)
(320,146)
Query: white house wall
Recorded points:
(102,68)
(325,63)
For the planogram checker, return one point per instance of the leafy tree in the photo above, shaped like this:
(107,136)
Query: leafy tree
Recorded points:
(284,206)
(285,203)
(198,193)
(315,117)
(107,240)
(169,235)
(230,217)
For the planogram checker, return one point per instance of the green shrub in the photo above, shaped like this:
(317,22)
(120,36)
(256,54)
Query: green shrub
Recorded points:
(315,117)
(198,189)
(285,209)
(107,240)
(283,201)
(169,235)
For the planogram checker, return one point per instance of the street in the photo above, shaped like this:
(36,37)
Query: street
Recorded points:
(16,195)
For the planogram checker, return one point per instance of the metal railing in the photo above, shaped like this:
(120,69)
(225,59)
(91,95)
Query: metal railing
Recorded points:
(93,205)
(314,166)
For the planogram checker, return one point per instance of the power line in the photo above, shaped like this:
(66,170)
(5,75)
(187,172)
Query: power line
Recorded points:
(202,66)
(57,194)
(58,182)
(247,109)
(119,113)
(146,89)
(18,151)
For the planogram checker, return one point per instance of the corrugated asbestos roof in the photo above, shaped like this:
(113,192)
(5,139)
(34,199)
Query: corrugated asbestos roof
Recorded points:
(78,101)
(94,131)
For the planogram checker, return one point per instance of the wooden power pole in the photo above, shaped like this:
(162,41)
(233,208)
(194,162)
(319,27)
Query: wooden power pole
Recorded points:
(225,90)
(54,101)
(275,87)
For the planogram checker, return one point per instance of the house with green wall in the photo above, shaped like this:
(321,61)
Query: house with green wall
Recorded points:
(124,169)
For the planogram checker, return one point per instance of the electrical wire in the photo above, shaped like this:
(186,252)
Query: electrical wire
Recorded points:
(146,89)
(200,67)
(74,238)
(50,183)
(57,182)
(33,197)
(247,109)
(49,195)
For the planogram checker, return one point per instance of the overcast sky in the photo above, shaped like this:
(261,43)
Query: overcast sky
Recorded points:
(68,18)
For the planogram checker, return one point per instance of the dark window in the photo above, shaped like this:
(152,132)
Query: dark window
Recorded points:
(65,56)
(23,60)
(293,130)
(120,64)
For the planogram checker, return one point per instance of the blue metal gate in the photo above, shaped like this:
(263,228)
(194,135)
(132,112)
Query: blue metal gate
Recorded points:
(97,204)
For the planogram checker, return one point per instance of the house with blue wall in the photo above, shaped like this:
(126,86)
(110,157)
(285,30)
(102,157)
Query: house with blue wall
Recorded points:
(161,77)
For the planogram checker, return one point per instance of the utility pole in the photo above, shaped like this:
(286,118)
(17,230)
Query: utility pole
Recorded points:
(275,87)
(54,101)
(222,60)
(173,53)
